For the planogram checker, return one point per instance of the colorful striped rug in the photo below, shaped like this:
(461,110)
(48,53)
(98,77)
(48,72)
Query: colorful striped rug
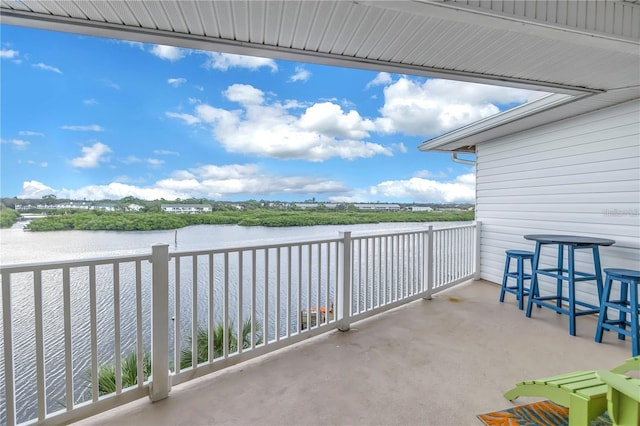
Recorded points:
(542,413)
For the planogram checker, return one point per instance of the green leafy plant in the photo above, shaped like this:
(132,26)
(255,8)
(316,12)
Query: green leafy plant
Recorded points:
(107,373)
(186,355)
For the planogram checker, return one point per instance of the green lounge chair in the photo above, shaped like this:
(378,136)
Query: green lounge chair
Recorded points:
(584,393)
(623,396)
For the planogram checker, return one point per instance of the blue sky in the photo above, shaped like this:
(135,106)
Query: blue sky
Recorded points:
(95,118)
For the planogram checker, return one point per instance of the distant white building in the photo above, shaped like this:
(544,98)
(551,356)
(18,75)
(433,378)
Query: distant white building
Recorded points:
(186,208)
(420,209)
(378,207)
(134,207)
(315,205)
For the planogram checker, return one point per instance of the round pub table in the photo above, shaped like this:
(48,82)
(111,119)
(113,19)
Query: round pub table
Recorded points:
(554,301)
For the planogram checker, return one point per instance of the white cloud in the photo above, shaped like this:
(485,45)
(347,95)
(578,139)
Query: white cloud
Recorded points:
(400,147)
(209,181)
(381,79)
(224,61)
(29,133)
(329,119)
(436,106)
(168,53)
(165,152)
(152,162)
(244,94)
(462,189)
(111,84)
(177,82)
(323,130)
(91,156)
(187,118)
(8,53)
(90,102)
(47,67)
(17,143)
(301,74)
(88,128)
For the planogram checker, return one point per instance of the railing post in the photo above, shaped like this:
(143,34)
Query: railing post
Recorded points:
(428,267)
(344,282)
(7,333)
(160,379)
(476,261)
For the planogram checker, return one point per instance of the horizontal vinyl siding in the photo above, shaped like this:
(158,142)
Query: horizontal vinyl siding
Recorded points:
(579,176)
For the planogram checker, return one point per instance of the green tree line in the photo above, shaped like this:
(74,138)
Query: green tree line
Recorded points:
(120,221)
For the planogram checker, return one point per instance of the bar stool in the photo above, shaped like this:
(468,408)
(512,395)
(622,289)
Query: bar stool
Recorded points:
(627,307)
(518,289)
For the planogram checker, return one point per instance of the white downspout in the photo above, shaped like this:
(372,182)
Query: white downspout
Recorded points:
(456,159)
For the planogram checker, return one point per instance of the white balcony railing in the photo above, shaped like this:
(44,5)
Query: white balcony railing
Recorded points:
(67,324)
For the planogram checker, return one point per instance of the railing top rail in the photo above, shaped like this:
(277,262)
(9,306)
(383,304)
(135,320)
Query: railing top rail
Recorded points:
(410,231)
(43,266)
(468,225)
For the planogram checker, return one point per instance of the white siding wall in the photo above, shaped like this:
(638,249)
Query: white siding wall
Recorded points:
(580,176)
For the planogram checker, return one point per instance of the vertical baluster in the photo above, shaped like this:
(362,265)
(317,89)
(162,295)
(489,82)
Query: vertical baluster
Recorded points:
(194,311)
(211,318)
(139,346)
(299,300)
(93,318)
(253,298)
(176,312)
(116,327)
(450,246)
(319,288)
(240,324)
(430,257)
(40,367)
(278,278)
(7,334)
(289,284)
(458,255)
(338,276)
(403,268)
(378,256)
(326,297)
(366,274)
(309,270)
(68,360)
(356,273)
(225,309)
(412,263)
(265,308)
(387,270)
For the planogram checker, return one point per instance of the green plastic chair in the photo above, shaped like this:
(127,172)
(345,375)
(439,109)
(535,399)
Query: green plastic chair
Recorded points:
(623,397)
(584,393)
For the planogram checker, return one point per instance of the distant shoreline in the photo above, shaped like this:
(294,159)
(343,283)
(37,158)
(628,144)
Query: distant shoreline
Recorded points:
(120,221)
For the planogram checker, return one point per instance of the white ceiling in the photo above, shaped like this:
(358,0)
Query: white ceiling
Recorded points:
(572,47)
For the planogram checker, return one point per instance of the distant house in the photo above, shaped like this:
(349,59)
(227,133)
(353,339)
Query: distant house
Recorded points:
(420,209)
(108,207)
(305,206)
(134,207)
(186,208)
(378,207)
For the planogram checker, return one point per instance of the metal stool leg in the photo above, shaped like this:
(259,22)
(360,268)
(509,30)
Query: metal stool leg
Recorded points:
(504,278)
(520,280)
(635,312)
(602,317)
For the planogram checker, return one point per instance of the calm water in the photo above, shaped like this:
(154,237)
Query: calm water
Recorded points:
(17,247)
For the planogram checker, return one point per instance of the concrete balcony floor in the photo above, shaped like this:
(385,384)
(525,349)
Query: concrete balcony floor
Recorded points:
(431,362)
